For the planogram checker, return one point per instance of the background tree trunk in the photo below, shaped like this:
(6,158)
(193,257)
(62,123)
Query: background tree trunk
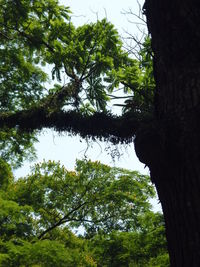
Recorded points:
(173,143)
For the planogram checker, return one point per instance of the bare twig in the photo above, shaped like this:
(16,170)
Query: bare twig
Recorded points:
(119,97)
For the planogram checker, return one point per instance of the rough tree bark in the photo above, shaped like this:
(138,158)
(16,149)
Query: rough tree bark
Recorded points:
(171,147)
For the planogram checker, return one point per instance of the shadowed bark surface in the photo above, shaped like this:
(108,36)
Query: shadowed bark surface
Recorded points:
(174,165)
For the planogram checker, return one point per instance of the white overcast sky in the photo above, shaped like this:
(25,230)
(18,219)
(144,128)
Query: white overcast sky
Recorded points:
(67,149)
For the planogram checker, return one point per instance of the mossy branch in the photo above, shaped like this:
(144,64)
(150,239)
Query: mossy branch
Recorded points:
(99,125)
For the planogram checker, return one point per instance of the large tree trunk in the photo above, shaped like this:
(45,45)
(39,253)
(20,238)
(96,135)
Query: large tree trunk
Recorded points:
(180,202)
(171,147)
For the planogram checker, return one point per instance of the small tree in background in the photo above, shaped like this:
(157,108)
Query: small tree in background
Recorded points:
(38,214)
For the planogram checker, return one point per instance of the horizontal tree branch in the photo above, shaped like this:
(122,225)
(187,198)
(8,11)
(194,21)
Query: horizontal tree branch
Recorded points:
(99,125)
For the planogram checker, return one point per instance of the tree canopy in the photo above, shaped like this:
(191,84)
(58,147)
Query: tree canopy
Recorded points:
(94,196)
(93,216)
(88,65)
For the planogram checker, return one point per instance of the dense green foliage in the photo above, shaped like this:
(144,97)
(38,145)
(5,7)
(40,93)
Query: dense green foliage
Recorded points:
(88,65)
(94,196)
(108,206)
(144,247)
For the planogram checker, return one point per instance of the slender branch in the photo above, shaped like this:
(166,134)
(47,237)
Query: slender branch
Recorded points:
(32,39)
(71,75)
(140,92)
(140,16)
(92,69)
(88,60)
(119,97)
(5,36)
(92,221)
(61,221)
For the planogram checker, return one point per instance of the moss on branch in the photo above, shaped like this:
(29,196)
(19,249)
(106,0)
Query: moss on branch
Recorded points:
(99,125)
